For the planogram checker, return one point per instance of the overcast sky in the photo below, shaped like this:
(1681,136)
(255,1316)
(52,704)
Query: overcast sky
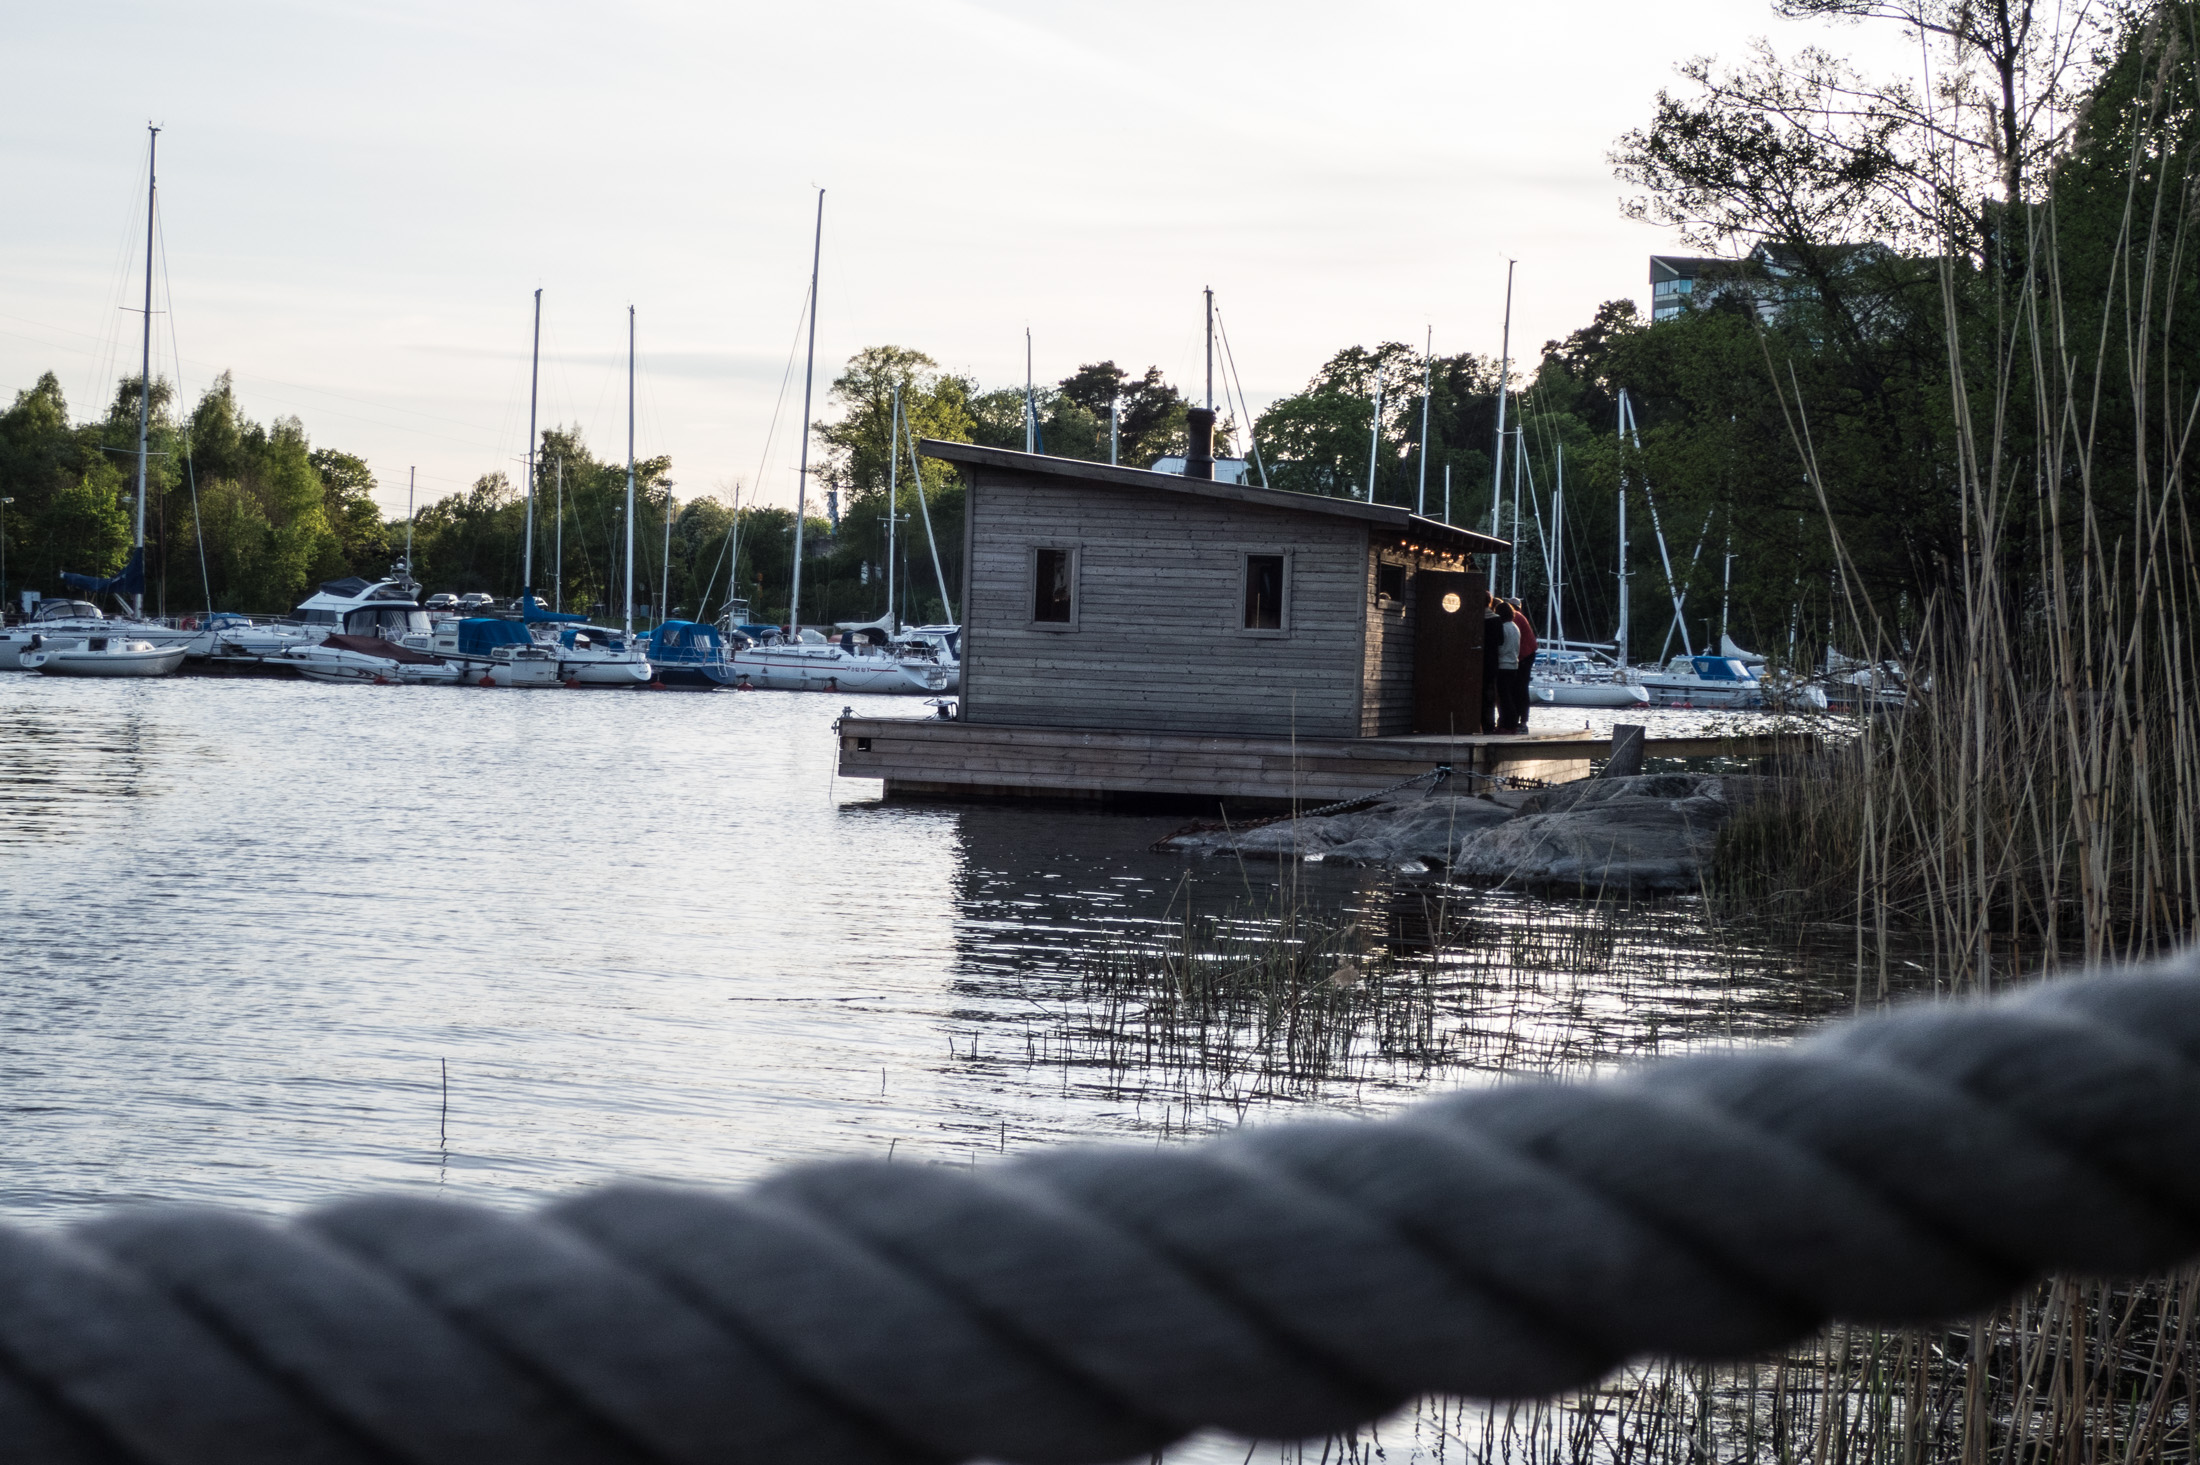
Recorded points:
(358,200)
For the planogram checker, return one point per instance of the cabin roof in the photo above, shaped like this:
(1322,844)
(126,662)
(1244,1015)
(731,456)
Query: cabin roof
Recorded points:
(1431,532)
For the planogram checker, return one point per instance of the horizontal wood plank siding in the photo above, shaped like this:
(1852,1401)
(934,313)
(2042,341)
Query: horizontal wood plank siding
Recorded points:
(1158,640)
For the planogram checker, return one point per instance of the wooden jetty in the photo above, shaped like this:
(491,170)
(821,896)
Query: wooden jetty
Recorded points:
(1129,634)
(941,758)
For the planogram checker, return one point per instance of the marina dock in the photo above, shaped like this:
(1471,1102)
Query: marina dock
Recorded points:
(939,758)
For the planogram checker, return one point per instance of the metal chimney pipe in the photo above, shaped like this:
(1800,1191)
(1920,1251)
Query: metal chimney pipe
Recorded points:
(1199,460)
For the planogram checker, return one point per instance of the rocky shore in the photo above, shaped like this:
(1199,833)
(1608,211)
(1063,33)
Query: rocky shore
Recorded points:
(1646,835)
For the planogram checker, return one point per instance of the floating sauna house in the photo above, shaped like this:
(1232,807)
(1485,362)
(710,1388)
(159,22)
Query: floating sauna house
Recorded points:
(1131,632)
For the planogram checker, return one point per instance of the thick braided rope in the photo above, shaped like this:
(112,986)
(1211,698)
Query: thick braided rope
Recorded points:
(1091,1304)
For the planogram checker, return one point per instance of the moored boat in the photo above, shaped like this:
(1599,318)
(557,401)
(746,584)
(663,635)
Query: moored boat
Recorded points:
(369,659)
(49,618)
(1703,681)
(1561,678)
(491,652)
(105,655)
(691,655)
(819,665)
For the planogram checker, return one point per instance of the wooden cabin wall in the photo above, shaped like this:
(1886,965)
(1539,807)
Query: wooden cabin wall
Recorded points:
(1158,642)
(1386,706)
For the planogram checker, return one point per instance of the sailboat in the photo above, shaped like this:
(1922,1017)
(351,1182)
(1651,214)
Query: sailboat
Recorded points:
(1564,673)
(586,656)
(805,661)
(133,646)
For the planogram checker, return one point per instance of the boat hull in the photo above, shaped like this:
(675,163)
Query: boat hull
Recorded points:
(1587,694)
(1704,694)
(693,676)
(771,670)
(64,661)
(330,664)
(622,673)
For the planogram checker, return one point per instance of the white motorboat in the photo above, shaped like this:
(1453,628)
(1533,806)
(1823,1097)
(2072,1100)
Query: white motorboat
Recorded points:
(1703,681)
(49,617)
(349,607)
(104,655)
(229,639)
(1574,679)
(54,616)
(814,664)
(368,659)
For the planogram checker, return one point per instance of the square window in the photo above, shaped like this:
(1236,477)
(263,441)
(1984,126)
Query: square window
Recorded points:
(1264,592)
(1390,582)
(1051,586)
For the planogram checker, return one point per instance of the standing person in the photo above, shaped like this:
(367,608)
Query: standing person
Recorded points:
(1493,642)
(1521,701)
(1508,667)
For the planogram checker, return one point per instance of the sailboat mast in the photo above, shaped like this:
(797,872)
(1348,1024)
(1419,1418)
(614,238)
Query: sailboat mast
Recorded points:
(802,473)
(1726,597)
(1374,435)
(1554,613)
(557,568)
(1031,400)
(1504,379)
(534,382)
(916,473)
(1210,293)
(893,494)
(410,474)
(1621,635)
(1428,377)
(630,470)
(145,374)
(664,592)
(1520,451)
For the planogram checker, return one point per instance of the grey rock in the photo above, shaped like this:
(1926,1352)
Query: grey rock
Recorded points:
(1649,834)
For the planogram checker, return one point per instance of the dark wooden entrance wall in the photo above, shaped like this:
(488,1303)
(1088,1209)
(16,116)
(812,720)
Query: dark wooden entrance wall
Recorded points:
(1447,651)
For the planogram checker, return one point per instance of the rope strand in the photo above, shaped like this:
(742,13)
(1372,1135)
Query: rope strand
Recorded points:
(1089,1304)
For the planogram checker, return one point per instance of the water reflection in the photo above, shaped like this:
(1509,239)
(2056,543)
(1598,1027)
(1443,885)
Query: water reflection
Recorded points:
(249,925)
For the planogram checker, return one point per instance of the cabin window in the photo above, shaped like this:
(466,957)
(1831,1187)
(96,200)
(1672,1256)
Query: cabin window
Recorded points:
(1390,582)
(1053,587)
(1264,592)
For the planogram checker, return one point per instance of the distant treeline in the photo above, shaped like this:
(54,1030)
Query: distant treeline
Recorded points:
(1829,344)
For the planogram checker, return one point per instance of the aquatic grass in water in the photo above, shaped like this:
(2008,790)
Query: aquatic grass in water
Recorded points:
(1206,1020)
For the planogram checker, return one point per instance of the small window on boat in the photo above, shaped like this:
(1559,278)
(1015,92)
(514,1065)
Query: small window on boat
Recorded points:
(1052,586)
(1264,592)
(1390,581)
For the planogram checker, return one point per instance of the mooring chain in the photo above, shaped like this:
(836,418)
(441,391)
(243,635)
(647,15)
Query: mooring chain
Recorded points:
(1092,1304)
(1434,778)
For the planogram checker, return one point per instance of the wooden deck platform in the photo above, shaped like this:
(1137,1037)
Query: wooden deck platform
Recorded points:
(937,758)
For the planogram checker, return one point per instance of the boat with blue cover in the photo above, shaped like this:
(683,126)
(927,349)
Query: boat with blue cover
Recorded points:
(1703,681)
(492,652)
(691,655)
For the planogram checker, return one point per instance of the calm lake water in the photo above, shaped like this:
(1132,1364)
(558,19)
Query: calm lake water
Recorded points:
(250,927)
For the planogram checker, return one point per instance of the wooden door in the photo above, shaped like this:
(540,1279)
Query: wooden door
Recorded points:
(1447,651)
